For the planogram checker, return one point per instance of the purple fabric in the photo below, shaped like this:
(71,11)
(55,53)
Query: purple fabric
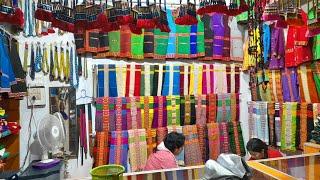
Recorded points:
(290,85)
(119,149)
(277,48)
(99,121)
(155,123)
(112,120)
(218,34)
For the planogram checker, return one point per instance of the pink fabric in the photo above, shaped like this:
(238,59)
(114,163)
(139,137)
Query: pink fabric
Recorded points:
(162,159)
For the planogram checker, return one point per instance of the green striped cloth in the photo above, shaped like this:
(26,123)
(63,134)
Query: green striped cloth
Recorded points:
(200,38)
(289,126)
(160,44)
(183,41)
(114,43)
(137,42)
(173,110)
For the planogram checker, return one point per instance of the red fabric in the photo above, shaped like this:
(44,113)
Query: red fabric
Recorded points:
(128,80)
(161,160)
(273,153)
(137,81)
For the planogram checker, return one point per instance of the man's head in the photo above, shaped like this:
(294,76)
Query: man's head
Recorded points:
(174,142)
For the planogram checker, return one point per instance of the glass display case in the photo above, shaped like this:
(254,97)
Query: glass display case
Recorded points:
(306,166)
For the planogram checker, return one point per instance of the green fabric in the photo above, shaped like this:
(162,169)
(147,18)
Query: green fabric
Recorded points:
(114,42)
(200,38)
(264,88)
(142,86)
(243,17)
(316,47)
(183,40)
(289,126)
(137,42)
(316,74)
(161,43)
(171,111)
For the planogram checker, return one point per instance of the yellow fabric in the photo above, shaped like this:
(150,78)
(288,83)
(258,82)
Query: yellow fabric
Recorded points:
(191,87)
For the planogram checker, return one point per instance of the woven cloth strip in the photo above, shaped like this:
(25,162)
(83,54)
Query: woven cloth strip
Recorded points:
(160,44)
(101,149)
(160,112)
(147,110)
(137,149)
(191,146)
(306,123)
(220,79)
(148,46)
(307,91)
(203,141)
(173,110)
(277,122)
(201,109)
(187,110)
(161,134)
(200,38)
(276,86)
(113,92)
(271,116)
(180,157)
(121,114)
(133,113)
(214,140)
(119,148)
(316,73)
(193,41)
(224,138)
(125,41)
(183,41)
(223,108)
(288,129)
(234,106)
(151,140)
(212,108)
(290,85)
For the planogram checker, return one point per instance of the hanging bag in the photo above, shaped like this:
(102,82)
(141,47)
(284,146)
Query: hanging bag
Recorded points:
(212,6)
(161,18)
(187,14)
(63,16)
(80,17)
(11,14)
(44,11)
(123,12)
(96,18)
(145,18)
(111,14)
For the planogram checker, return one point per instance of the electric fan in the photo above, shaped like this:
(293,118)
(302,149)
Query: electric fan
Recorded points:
(51,136)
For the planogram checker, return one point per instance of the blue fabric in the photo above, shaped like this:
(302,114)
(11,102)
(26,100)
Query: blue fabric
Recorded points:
(176,80)
(266,42)
(8,77)
(166,81)
(193,39)
(100,80)
(113,92)
(171,49)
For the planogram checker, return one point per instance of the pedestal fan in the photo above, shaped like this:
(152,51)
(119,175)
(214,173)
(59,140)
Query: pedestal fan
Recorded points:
(51,136)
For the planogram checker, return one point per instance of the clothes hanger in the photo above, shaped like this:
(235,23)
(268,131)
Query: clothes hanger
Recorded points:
(84,95)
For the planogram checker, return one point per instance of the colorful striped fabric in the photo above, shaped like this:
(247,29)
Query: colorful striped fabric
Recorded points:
(187,110)
(191,146)
(271,116)
(183,41)
(113,92)
(235,108)
(223,108)
(288,128)
(201,109)
(180,157)
(214,140)
(290,85)
(208,35)
(114,43)
(203,142)
(160,112)
(277,122)
(236,139)
(264,85)
(137,46)
(200,38)
(101,151)
(276,86)
(151,136)
(220,79)
(306,123)
(224,138)
(212,108)
(160,44)
(133,113)
(316,73)
(119,148)
(125,41)
(147,111)
(173,110)
(308,93)
(120,114)
(161,134)
(148,46)
(103,81)
(171,49)
(137,149)
(193,41)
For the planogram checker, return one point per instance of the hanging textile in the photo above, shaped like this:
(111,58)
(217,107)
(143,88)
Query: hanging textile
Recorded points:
(221,37)
(220,79)
(171,81)
(288,129)
(101,156)
(236,138)
(214,140)
(125,41)
(195,86)
(137,149)
(114,43)
(137,81)
(316,75)
(160,44)
(134,114)
(201,109)
(306,84)
(306,123)
(233,78)
(260,121)
(224,137)
(173,110)
(316,47)
(180,157)
(276,85)
(277,121)
(191,146)
(160,112)
(183,41)
(277,48)
(203,142)
(208,35)
(119,148)
(137,45)
(91,140)
(290,85)
(235,107)
(151,141)
(264,85)
(193,41)
(103,81)
(212,108)
(271,122)
(113,92)
(133,75)
(161,134)
(223,108)
(200,38)
(266,42)
(236,41)
(147,111)
(120,114)
(187,110)
(206,86)
(184,79)
(148,45)
(121,70)
(171,49)
(81,116)
(102,114)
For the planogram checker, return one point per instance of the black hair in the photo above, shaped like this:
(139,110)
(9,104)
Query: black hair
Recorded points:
(257,145)
(174,141)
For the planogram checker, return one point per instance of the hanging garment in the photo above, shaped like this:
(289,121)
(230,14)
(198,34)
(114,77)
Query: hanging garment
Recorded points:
(288,127)
(118,114)
(316,47)
(236,139)
(242,18)
(180,157)
(160,44)
(264,85)
(206,79)
(151,140)
(20,89)
(160,112)
(114,43)
(184,79)
(147,111)
(134,117)
(249,60)
(276,86)
(290,85)
(157,80)
(119,148)
(191,146)
(277,48)
(271,122)
(137,149)
(221,37)
(212,108)
(137,46)
(220,79)
(200,38)
(277,122)
(146,81)
(103,80)
(223,108)
(266,42)
(133,80)
(307,88)
(195,86)
(316,75)
(235,107)
(236,41)
(173,110)
(161,134)
(171,83)
(102,114)
(233,78)
(306,123)
(101,150)
(208,35)
(91,41)
(121,72)
(83,131)
(203,142)
(113,92)
(183,41)
(7,76)
(201,109)
(125,42)
(171,49)
(187,110)
(148,45)
(193,41)
(298,49)
(214,140)
(224,138)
